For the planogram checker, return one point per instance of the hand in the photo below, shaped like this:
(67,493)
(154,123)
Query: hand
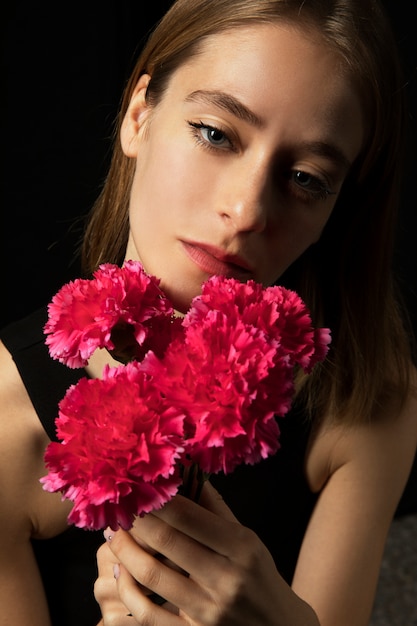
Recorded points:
(106,590)
(224,574)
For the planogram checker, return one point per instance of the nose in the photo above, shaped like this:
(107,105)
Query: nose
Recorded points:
(246,198)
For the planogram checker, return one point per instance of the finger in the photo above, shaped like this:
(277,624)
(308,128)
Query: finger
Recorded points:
(106,562)
(106,592)
(112,608)
(221,535)
(154,573)
(142,609)
(109,534)
(212,500)
(210,574)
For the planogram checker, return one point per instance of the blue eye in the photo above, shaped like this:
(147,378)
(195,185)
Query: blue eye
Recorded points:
(210,136)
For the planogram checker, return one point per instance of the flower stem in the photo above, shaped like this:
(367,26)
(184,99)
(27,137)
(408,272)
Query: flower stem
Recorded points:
(194,479)
(201,479)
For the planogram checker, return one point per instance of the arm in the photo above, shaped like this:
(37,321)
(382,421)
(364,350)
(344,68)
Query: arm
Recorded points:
(360,472)
(24,507)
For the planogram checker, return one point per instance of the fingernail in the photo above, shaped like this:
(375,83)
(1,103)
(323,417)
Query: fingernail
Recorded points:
(116,571)
(108,534)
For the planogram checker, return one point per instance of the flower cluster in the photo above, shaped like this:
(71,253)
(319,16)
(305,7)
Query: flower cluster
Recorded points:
(202,391)
(121,309)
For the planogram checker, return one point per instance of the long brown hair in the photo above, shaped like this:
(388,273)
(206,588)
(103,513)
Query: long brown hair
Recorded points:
(346,278)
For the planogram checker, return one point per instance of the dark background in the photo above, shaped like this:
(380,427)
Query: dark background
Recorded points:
(64,66)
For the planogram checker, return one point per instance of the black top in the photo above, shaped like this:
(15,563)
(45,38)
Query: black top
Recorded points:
(272,497)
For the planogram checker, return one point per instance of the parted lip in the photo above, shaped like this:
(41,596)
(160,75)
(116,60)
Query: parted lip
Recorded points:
(215,257)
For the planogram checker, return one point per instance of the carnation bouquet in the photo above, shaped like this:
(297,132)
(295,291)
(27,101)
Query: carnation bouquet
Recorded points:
(191,396)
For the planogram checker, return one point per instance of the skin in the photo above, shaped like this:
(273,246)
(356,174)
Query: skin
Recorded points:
(259,220)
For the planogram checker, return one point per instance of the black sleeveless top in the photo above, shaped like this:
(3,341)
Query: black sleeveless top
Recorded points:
(271,497)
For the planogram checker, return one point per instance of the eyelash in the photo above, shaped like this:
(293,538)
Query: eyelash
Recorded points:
(318,188)
(196,131)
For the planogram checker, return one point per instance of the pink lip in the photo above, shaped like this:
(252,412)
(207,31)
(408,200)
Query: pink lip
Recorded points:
(215,261)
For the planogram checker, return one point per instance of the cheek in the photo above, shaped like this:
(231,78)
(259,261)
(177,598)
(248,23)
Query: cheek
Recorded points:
(315,221)
(292,237)
(165,174)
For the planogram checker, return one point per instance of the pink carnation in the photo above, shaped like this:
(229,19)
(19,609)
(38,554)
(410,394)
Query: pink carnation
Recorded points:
(121,309)
(216,376)
(279,312)
(235,371)
(120,445)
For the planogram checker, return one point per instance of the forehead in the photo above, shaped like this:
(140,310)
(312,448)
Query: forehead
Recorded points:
(271,67)
(270,57)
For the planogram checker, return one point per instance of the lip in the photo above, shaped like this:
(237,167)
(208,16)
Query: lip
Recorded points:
(215,261)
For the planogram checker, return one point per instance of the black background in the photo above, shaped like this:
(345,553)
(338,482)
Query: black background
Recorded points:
(64,66)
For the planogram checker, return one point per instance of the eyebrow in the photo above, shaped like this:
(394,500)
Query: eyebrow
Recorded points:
(232,105)
(327,150)
(226,102)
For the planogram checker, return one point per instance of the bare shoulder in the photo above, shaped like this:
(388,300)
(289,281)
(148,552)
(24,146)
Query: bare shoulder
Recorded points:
(388,441)
(360,472)
(25,508)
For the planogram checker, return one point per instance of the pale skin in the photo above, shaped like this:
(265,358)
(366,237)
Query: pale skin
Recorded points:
(228,199)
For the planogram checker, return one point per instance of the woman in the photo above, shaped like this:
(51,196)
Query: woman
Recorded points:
(257,140)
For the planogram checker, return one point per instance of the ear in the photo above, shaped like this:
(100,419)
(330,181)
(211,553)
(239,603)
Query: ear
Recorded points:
(136,114)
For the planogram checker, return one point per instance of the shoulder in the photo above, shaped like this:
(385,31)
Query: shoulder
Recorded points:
(385,445)
(25,507)
(18,421)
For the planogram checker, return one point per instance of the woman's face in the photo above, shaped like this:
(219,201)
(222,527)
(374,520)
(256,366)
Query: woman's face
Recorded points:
(240,165)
